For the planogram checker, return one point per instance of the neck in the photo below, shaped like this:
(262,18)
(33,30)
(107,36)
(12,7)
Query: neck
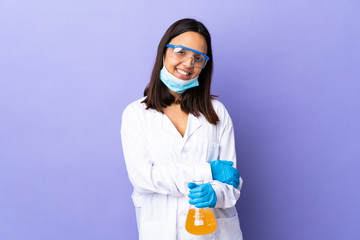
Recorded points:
(176,95)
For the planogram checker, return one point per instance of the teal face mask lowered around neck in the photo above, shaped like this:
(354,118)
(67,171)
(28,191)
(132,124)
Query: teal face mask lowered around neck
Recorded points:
(175,84)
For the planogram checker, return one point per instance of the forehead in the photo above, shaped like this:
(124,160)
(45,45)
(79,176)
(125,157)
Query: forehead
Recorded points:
(191,40)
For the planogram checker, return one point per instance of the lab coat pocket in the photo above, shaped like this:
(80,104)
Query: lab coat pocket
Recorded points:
(213,152)
(228,228)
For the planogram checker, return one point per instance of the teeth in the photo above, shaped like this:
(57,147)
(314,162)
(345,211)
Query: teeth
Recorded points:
(182,72)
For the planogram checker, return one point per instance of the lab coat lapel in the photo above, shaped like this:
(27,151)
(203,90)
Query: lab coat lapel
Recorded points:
(194,124)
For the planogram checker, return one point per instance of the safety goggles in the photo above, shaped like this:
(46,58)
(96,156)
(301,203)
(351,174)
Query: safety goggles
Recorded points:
(182,54)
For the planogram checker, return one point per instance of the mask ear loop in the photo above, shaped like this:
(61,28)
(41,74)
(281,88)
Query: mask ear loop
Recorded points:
(164,58)
(177,101)
(164,62)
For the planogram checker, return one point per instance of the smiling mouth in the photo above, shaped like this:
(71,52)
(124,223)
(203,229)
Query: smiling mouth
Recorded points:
(182,72)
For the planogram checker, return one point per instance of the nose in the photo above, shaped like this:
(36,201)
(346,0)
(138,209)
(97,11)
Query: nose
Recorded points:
(189,62)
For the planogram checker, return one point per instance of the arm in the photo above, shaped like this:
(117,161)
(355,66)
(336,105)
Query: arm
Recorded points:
(227,195)
(145,175)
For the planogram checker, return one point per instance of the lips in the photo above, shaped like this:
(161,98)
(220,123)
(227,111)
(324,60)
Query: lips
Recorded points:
(182,74)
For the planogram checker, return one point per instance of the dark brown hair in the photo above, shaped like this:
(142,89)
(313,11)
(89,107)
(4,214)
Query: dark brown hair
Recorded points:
(194,100)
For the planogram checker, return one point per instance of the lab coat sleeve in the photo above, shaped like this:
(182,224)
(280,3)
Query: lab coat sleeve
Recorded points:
(226,194)
(144,174)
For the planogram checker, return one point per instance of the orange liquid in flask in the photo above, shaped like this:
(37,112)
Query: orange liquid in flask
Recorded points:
(200,221)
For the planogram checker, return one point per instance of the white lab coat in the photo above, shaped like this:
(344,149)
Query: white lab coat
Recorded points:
(160,163)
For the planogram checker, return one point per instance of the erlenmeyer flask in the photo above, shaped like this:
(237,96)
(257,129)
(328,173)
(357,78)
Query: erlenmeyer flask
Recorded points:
(200,221)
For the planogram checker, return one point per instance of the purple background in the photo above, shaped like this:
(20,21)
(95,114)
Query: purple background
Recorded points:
(288,72)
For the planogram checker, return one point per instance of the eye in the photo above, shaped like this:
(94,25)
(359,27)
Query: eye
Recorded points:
(199,58)
(179,51)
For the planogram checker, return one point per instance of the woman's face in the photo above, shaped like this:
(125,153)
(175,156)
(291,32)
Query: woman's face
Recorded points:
(185,70)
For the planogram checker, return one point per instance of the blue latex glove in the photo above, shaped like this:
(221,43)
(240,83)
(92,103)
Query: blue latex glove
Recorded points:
(202,195)
(224,172)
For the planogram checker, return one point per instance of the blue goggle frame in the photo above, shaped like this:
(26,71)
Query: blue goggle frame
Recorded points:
(178,46)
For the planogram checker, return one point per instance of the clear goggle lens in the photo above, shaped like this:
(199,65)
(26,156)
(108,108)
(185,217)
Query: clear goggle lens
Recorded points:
(182,54)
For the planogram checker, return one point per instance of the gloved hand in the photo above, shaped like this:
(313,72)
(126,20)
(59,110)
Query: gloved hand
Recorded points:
(202,195)
(224,172)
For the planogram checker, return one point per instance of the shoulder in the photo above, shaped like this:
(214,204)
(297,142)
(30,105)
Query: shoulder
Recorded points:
(219,108)
(217,104)
(134,109)
(223,114)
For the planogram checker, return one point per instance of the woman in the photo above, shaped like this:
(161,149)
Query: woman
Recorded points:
(176,134)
